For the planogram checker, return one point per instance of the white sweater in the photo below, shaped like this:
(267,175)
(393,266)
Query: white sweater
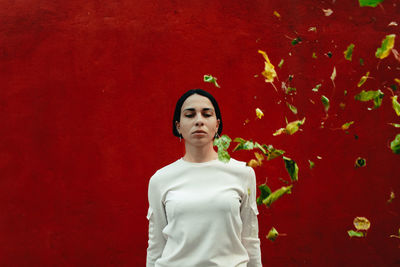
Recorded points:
(203,215)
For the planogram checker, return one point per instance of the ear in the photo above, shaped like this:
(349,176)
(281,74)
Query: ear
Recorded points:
(177,125)
(218,122)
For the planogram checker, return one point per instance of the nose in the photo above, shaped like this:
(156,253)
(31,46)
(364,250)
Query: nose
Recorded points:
(199,120)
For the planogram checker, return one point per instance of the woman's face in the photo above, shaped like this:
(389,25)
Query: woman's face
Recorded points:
(199,123)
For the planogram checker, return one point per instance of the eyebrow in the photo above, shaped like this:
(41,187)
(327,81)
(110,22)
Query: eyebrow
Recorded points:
(204,109)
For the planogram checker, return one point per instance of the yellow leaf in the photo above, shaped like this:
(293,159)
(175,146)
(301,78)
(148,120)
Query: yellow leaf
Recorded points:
(333,76)
(259,113)
(252,163)
(361,223)
(397,80)
(386,47)
(276,14)
(269,70)
(346,126)
(363,79)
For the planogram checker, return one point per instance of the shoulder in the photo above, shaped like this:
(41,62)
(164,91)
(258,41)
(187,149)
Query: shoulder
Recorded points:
(241,165)
(163,173)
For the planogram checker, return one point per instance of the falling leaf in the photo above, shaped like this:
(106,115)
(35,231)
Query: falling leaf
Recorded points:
(325,102)
(272,234)
(329,54)
(353,233)
(312,29)
(269,70)
(396,236)
(259,113)
(276,14)
(371,95)
(395,145)
(360,162)
(361,62)
(274,196)
(265,191)
(292,108)
(316,88)
(291,128)
(396,125)
(346,126)
(363,79)
(371,3)
(391,197)
(211,79)
(327,12)
(314,55)
(349,52)
(281,63)
(361,223)
(342,105)
(243,144)
(253,163)
(273,152)
(292,168)
(397,80)
(386,47)
(312,164)
(296,40)
(396,54)
(333,76)
(222,144)
(290,90)
(396,105)
(393,23)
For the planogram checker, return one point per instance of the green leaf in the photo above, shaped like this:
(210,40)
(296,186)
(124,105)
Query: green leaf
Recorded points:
(292,168)
(292,108)
(329,54)
(243,144)
(272,234)
(312,164)
(371,3)
(396,125)
(296,41)
(274,196)
(361,61)
(316,88)
(281,63)
(396,105)
(395,145)
(260,147)
(371,95)
(325,102)
(360,162)
(222,144)
(272,152)
(353,233)
(386,47)
(349,52)
(211,79)
(291,128)
(265,191)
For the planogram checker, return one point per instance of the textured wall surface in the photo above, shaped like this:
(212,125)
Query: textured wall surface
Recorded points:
(86,100)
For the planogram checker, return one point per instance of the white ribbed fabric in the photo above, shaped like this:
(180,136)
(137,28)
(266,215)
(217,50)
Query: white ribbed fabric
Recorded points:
(203,215)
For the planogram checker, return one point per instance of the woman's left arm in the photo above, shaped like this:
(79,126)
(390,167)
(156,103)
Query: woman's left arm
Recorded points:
(249,214)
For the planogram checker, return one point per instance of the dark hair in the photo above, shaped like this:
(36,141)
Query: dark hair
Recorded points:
(178,108)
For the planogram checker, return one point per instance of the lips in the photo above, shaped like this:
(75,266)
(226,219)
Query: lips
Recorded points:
(199,132)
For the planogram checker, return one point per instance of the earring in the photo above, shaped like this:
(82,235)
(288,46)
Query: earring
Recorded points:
(216,135)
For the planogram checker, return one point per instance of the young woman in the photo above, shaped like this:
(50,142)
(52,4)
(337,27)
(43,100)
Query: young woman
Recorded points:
(202,212)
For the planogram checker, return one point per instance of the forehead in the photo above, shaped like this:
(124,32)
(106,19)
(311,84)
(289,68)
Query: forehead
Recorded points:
(197,101)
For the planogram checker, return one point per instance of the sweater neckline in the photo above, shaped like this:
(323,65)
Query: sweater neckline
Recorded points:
(198,163)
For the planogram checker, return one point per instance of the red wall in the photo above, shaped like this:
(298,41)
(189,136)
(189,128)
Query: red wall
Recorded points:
(87,94)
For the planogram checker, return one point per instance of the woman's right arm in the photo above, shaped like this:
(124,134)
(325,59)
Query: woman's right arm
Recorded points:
(157,221)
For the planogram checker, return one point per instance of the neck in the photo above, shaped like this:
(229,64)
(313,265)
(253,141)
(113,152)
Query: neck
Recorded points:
(200,154)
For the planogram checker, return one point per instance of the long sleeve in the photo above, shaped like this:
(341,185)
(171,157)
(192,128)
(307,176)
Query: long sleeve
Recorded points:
(157,221)
(249,214)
